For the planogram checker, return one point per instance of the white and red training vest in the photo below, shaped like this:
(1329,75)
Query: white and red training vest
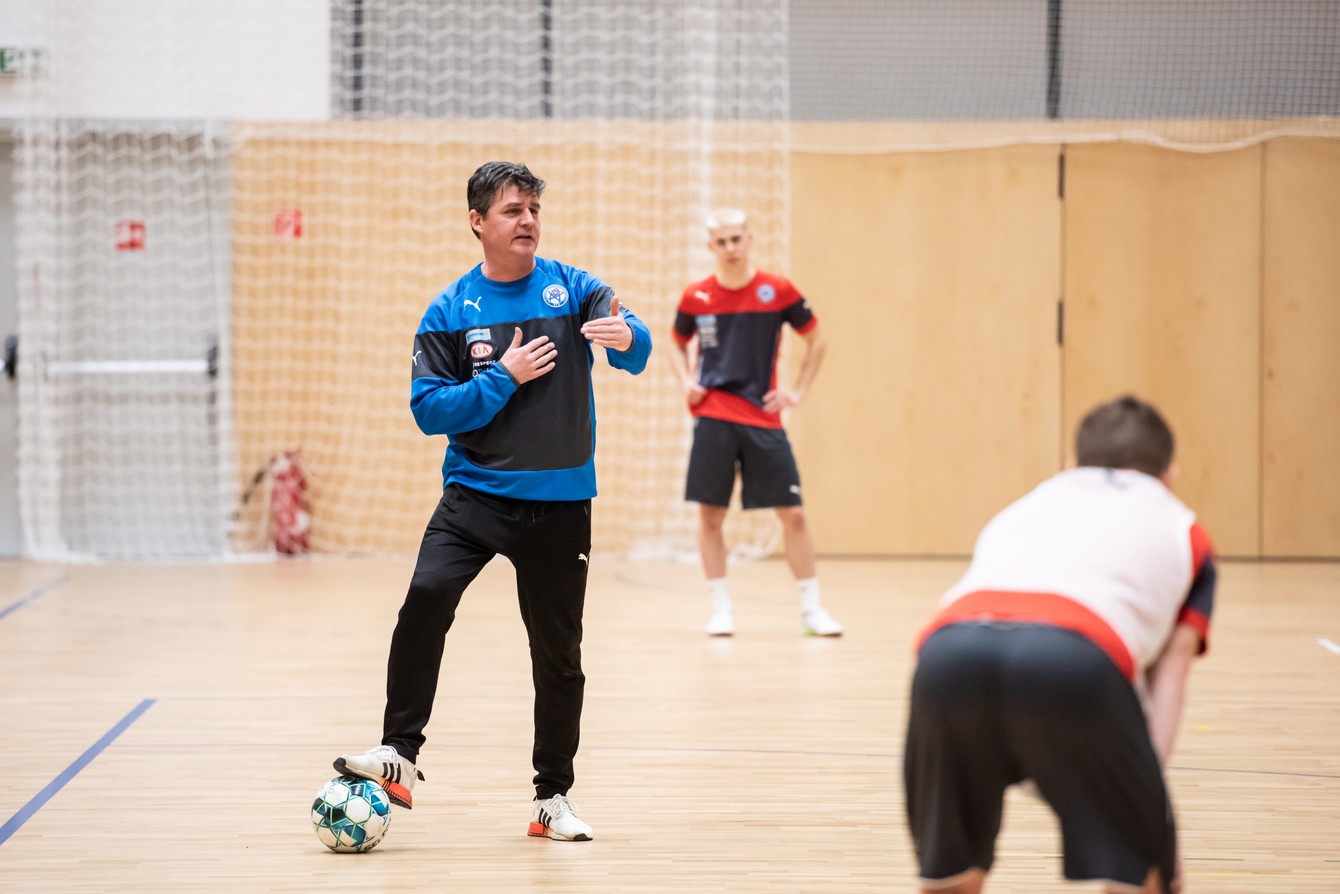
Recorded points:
(1109,553)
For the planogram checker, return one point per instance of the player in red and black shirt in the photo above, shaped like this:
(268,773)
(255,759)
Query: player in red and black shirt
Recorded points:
(737,315)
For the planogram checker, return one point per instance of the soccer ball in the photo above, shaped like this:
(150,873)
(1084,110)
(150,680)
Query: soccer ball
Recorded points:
(351,814)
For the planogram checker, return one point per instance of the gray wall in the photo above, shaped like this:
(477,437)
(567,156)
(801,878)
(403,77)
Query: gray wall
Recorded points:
(1225,59)
(875,60)
(932,60)
(978,60)
(507,58)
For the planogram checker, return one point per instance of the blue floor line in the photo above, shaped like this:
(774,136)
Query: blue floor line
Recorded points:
(51,585)
(26,812)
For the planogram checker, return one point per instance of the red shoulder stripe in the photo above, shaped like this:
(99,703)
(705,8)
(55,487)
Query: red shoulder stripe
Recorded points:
(1201,548)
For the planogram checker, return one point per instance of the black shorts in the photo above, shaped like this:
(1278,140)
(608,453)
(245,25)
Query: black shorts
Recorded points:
(767,467)
(994,704)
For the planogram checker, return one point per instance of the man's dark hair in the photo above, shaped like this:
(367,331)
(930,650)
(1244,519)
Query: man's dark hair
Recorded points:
(489,179)
(1125,433)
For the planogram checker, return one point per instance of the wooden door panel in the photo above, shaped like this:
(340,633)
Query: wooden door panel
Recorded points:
(1162,285)
(935,277)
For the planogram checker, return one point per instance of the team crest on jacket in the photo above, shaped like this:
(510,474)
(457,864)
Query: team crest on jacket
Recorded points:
(766,293)
(555,296)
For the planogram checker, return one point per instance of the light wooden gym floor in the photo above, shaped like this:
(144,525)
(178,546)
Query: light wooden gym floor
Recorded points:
(165,727)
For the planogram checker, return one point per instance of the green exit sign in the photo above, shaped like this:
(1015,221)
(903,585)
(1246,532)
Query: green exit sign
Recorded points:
(19,62)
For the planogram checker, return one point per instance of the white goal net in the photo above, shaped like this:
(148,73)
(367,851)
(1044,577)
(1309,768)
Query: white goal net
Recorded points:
(282,265)
(123,301)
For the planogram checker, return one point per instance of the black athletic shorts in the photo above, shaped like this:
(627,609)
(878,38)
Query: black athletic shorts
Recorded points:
(767,467)
(994,704)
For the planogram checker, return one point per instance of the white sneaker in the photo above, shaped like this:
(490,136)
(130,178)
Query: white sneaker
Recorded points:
(817,622)
(722,623)
(556,818)
(387,768)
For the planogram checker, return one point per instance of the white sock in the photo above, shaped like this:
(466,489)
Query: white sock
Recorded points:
(720,593)
(809,593)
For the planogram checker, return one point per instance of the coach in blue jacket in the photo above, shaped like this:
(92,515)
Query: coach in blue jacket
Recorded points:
(502,366)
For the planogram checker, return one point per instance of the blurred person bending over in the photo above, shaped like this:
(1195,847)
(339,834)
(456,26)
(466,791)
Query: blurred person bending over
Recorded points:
(1061,657)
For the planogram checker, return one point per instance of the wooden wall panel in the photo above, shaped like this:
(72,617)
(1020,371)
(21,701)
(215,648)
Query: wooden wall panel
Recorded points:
(936,278)
(1300,487)
(935,274)
(1162,285)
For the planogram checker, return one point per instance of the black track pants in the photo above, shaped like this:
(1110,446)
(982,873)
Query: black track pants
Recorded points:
(548,543)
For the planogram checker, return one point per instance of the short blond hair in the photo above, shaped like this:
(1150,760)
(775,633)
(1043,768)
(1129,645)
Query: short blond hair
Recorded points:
(726,217)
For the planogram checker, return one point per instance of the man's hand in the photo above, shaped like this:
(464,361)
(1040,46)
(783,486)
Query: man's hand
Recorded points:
(779,399)
(695,392)
(531,360)
(611,331)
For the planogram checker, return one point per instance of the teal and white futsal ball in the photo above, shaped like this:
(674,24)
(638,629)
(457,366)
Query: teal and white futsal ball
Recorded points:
(351,814)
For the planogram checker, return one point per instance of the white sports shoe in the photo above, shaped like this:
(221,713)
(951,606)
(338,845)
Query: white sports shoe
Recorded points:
(556,818)
(817,622)
(722,623)
(387,768)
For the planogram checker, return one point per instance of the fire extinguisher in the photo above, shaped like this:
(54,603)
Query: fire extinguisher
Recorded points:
(290,516)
